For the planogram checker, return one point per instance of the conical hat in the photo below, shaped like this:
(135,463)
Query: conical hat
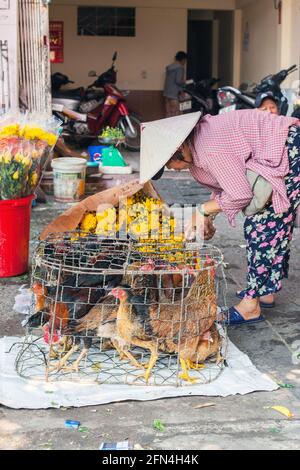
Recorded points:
(160,140)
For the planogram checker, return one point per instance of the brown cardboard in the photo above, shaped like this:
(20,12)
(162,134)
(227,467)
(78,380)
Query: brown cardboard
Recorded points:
(69,220)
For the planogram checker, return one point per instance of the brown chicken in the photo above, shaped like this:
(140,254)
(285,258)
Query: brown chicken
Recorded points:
(176,328)
(100,321)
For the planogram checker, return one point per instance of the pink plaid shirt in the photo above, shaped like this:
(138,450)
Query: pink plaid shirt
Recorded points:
(225,146)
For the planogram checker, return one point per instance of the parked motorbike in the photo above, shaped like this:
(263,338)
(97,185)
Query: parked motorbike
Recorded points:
(84,118)
(200,96)
(231,98)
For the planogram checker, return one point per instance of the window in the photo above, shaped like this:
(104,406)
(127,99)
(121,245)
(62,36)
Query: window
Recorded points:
(105,21)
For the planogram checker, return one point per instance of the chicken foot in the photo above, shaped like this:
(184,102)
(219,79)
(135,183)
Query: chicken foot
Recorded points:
(194,365)
(185,371)
(61,363)
(124,353)
(153,358)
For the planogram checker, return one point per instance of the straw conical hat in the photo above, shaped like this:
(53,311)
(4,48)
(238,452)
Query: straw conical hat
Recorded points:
(160,140)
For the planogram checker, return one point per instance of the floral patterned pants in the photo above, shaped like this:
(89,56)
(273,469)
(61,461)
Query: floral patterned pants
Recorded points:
(269,235)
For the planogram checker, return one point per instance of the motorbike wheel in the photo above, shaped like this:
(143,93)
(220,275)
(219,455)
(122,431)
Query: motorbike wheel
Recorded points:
(133,143)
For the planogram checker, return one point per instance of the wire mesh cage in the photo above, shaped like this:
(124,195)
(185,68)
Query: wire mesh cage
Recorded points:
(120,312)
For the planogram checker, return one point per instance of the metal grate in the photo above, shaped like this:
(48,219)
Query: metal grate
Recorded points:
(34,73)
(113,311)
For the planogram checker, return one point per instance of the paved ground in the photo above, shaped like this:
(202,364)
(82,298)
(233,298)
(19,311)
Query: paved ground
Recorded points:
(234,423)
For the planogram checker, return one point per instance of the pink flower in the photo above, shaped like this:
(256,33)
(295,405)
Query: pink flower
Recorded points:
(296,179)
(295,194)
(263,245)
(280,234)
(288,219)
(254,234)
(261,227)
(272,224)
(261,269)
(273,242)
(251,293)
(278,259)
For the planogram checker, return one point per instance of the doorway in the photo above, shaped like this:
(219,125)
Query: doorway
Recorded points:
(210,45)
(200,49)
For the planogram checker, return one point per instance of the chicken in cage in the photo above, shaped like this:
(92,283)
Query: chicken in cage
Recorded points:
(119,312)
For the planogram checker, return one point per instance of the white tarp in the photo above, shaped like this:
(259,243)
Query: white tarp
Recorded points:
(240,377)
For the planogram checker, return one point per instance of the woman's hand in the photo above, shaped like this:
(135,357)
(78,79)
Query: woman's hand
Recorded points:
(199,226)
(209,228)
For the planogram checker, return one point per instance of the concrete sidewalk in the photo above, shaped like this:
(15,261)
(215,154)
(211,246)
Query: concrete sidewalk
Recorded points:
(233,423)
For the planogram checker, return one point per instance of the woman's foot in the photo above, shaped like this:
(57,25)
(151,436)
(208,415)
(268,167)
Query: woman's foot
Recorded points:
(249,309)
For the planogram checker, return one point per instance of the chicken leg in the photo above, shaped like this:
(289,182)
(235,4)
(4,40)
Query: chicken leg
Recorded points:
(61,363)
(185,372)
(123,352)
(153,358)
(74,367)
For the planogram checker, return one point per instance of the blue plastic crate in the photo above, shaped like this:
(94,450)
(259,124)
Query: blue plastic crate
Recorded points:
(95,152)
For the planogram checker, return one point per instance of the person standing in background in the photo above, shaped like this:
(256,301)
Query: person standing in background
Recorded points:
(175,79)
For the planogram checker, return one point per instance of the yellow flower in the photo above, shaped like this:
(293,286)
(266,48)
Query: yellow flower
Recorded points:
(10,130)
(7,158)
(16,175)
(33,179)
(88,223)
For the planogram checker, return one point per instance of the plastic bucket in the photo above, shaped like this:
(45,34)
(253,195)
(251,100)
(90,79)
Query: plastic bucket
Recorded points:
(14,236)
(69,178)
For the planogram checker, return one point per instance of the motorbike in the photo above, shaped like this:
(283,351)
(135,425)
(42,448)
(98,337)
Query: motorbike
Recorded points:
(85,115)
(231,98)
(200,96)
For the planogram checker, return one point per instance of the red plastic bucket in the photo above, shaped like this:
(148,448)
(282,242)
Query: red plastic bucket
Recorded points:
(14,236)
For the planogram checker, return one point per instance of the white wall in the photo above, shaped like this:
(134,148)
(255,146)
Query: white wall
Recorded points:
(161,30)
(185,4)
(262,56)
(160,33)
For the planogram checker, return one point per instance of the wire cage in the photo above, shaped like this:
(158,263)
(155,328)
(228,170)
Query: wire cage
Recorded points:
(119,312)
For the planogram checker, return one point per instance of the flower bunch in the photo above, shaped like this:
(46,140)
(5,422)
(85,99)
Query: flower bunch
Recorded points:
(25,145)
(144,218)
(18,174)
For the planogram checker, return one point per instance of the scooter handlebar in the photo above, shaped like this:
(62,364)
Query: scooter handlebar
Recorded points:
(293,68)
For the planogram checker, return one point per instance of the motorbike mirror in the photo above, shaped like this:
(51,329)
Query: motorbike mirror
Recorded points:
(92,73)
(114,57)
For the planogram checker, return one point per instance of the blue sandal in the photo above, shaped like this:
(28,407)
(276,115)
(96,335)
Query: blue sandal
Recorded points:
(240,295)
(233,317)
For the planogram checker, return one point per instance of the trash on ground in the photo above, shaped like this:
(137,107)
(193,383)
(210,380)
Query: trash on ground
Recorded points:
(83,429)
(283,385)
(69,423)
(157,424)
(283,410)
(205,405)
(124,445)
